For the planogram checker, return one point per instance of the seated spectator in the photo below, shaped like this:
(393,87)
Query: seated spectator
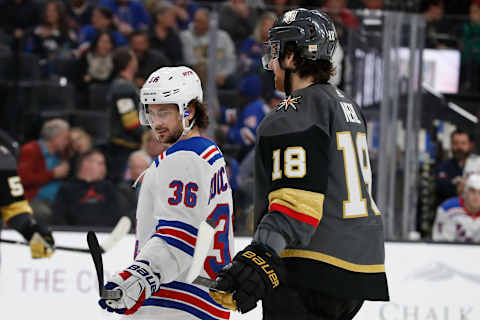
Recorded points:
(437,31)
(102,20)
(343,18)
(53,38)
(251,48)
(245,130)
(456,219)
(184,12)
(42,165)
(96,65)
(80,143)
(149,60)
(195,46)
(17,18)
(88,199)
(164,36)
(471,48)
(151,145)
(450,172)
(129,15)
(125,128)
(80,13)
(237,19)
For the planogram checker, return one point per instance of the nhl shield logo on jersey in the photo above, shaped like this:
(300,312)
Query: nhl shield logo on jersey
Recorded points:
(290,16)
(289,102)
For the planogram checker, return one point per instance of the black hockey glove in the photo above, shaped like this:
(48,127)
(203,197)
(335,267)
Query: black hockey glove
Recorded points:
(253,274)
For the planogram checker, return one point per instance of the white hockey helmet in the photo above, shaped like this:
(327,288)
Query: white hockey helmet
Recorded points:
(473,181)
(175,85)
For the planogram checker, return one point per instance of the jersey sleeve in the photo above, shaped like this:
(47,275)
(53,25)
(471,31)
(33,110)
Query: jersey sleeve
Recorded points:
(297,165)
(12,201)
(177,192)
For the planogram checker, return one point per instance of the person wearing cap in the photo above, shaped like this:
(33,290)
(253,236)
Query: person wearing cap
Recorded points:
(457,218)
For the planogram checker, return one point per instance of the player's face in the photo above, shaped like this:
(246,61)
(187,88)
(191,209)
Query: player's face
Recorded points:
(472,198)
(279,74)
(165,121)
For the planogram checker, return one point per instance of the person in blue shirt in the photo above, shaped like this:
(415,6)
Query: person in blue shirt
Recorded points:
(244,132)
(128,15)
(102,20)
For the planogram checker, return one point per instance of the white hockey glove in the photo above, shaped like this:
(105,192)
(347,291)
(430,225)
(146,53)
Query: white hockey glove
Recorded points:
(137,283)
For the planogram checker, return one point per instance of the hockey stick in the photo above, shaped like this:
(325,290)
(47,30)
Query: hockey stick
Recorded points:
(205,234)
(121,229)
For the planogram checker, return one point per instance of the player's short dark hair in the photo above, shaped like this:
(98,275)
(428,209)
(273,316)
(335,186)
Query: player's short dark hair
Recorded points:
(321,70)
(201,114)
(461,131)
(121,59)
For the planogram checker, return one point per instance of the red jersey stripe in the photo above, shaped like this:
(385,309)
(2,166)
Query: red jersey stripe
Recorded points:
(199,303)
(209,153)
(294,214)
(179,234)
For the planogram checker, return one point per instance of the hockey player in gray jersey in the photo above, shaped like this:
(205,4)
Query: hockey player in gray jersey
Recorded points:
(318,248)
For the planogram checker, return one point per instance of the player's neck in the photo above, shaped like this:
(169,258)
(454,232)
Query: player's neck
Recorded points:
(300,83)
(194,132)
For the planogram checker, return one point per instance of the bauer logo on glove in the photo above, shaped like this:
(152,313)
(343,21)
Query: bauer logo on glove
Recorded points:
(272,276)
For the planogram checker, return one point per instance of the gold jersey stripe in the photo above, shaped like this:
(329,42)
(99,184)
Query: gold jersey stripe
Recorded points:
(301,201)
(364,268)
(14,209)
(130,119)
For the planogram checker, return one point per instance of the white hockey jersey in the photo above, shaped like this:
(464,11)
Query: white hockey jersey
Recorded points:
(185,185)
(454,223)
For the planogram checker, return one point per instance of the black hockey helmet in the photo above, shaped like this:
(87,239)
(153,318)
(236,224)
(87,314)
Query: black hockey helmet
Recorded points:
(311,30)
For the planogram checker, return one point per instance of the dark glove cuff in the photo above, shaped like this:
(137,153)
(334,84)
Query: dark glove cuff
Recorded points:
(23,223)
(266,263)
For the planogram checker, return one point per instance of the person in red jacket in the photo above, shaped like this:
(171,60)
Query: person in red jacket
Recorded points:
(41,165)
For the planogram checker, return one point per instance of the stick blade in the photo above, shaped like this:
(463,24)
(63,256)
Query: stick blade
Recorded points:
(121,229)
(96,253)
(206,231)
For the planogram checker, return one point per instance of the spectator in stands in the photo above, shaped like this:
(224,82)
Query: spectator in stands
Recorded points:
(280,6)
(80,12)
(184,12)
(129,15)
(96,65)
(437,32)
(102,20)
(18,18)
(42,165)
(88,199)
(123,96)
(151,145)
(149,59)
(449,172)
(80,143)
(195,46)
(164,36)
(342,17)
(471,48)
(53,38)
(238,20)
(456,219)
(245,129)
(251,48)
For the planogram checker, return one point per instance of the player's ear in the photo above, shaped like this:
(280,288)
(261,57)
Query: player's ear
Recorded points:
(190,111)
(288,60)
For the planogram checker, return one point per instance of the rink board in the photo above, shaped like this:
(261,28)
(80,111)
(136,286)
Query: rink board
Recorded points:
(427,282)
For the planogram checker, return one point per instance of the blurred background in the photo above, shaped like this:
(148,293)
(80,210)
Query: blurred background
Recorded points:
(413,66)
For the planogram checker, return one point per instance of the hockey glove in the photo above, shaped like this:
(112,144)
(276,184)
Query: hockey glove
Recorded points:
(41,243)
(253,274)
(137,283)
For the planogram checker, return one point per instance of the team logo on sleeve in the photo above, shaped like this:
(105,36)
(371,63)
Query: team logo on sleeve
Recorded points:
(289,102)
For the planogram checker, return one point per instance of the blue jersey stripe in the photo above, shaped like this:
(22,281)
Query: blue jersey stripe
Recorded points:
(180,306)
(195,144)
(177,224)
(156,162)
(215,158)
(176,243)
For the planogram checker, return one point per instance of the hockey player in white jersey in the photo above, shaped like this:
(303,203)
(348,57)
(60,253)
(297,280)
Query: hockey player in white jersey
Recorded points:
(458,218)
(185,185)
